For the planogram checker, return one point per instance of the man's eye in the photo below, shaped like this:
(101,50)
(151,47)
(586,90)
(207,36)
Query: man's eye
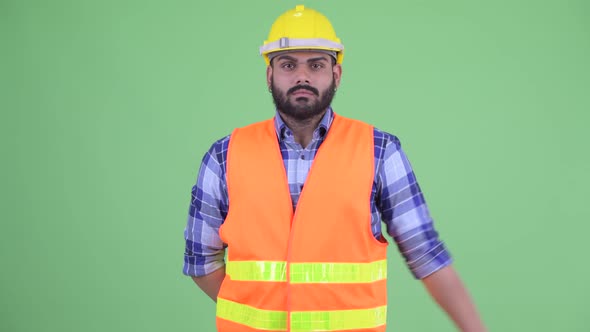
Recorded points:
(316,66)
(288,65)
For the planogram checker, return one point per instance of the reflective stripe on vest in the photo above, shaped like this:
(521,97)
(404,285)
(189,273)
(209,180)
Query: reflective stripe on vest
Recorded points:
(334,320)
(308,272)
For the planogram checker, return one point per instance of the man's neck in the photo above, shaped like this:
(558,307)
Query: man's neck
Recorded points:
(302,129)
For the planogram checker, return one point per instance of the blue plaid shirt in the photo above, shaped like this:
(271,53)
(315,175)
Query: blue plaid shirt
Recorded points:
(396,200)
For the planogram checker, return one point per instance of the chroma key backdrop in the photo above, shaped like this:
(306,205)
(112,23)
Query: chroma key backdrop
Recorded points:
(107,108)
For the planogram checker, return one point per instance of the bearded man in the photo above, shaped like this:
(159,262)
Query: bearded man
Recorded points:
(298,202)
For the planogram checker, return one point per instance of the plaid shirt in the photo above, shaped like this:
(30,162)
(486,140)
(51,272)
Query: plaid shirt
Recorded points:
(396,200)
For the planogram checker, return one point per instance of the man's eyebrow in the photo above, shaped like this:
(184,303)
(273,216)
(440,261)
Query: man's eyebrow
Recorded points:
(286,57)
(319,58)
(290,58)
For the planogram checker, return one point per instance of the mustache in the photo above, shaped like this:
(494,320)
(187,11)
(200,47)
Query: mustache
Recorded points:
(304,87)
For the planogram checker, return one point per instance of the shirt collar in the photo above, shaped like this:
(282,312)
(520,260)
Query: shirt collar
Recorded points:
(320,132)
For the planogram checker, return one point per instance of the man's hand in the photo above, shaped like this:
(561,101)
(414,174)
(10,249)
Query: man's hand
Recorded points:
(211,282)
(448,291)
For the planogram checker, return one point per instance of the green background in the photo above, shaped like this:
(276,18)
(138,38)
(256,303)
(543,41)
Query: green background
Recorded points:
(107,108)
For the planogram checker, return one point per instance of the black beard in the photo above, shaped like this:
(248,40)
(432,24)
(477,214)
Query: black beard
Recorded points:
(302,112)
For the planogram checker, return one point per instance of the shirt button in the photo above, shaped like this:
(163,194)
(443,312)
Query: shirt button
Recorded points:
(302,157)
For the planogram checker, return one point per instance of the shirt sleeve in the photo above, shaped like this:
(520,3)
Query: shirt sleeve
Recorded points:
(204,251)
(406,215)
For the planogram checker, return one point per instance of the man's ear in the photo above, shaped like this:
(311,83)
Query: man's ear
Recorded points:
(337,72)
(268,76)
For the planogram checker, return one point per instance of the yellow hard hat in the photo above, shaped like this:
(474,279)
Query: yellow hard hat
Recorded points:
(302,29)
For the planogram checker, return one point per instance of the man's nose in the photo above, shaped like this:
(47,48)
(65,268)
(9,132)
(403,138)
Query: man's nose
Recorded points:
(302,76)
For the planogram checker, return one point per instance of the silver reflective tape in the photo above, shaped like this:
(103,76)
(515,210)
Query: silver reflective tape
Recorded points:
(284,42)
(300,43)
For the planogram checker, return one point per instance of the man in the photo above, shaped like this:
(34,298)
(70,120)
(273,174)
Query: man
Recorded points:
(298,202)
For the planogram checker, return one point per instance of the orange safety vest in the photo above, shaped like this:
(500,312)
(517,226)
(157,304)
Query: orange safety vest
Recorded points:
(316,269)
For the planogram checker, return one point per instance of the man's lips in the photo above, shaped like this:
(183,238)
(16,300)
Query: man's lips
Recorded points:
(303,92)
